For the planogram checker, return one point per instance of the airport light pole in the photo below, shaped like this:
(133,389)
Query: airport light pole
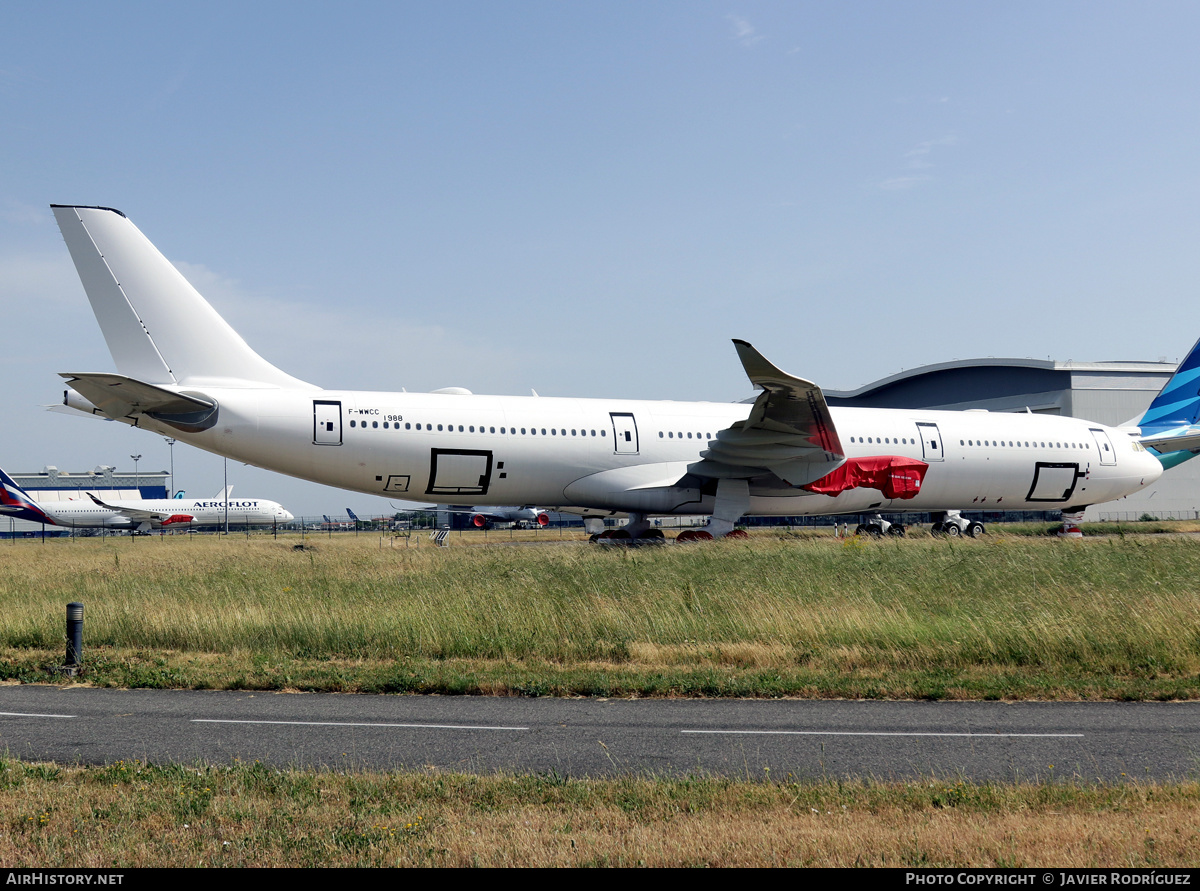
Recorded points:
(171,446)
(136,481)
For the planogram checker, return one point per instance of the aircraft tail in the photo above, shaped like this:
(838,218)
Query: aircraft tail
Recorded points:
(157,326)
(352,516)
(14,502)
(1171,425)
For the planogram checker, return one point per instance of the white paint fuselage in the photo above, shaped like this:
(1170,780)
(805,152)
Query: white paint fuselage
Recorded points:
(606,455)
(85,513)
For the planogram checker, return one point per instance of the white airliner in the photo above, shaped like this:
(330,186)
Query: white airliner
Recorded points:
(482,517)
(183,372)
(137,515)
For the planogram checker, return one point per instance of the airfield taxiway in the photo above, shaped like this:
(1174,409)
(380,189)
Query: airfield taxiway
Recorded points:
(997,741)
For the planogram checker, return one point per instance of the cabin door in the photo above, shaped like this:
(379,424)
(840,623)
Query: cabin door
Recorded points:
(625,435)
(931,441)
(327,422)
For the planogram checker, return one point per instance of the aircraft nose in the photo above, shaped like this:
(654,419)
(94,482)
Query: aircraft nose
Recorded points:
(1154,467)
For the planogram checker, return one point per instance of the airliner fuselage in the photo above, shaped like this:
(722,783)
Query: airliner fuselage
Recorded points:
(600,455)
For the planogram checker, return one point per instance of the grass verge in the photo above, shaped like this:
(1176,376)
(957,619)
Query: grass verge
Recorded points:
(128,815)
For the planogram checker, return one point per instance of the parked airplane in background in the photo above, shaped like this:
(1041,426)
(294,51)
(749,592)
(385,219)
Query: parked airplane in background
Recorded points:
(136,515)
(482,517)
(184,372)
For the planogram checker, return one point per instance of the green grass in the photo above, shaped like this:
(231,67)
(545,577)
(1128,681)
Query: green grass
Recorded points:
(1003,617)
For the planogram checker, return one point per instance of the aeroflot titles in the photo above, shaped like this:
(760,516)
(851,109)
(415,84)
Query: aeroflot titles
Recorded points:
(232,504)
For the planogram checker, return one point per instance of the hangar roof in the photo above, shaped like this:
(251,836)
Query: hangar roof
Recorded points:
(1002,383)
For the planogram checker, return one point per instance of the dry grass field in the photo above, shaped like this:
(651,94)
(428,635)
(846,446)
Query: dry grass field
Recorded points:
(136,815)
(1003,617)
(1009,616)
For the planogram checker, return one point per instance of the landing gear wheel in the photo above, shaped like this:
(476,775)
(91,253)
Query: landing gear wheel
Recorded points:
(952,530)
(693,535)
(652,535)
(620,534)
(896,529)
(975,530)
(937,529)
(738,533)
(860,529)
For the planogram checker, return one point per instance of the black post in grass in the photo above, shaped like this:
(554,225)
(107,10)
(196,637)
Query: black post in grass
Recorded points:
(74,637)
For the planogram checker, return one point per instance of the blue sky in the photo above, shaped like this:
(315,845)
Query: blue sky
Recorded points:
(592,199)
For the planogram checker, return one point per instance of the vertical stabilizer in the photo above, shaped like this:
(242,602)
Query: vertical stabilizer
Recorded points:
(14,502)
(157,326)
(1178,404)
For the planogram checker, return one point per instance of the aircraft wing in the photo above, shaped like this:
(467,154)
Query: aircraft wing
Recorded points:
(789,433)
(133,513)
(1187,439)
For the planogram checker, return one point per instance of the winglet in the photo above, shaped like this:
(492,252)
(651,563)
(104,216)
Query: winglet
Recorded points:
(762,371)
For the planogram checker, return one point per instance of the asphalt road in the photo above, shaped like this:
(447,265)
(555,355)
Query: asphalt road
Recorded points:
(597,737)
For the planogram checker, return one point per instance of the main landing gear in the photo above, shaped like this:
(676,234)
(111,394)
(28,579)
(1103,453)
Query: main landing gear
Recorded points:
(953,525)
(637,531)
(731,504)
(878,527)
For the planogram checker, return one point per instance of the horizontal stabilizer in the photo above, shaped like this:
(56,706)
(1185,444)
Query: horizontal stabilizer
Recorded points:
(119,396)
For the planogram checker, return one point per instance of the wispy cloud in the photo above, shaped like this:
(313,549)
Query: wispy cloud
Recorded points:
(23,213)
(898,183)
(328,346)
(917,158)
(743,32)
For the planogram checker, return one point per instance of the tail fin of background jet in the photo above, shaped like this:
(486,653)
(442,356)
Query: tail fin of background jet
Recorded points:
(1171,425)
(15,503)
(157,326)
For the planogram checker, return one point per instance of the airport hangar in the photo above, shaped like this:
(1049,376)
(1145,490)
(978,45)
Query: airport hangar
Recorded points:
(1110,393)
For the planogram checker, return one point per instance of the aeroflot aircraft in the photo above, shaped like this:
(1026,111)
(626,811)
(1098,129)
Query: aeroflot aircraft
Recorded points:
(136,515)
(184,372)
